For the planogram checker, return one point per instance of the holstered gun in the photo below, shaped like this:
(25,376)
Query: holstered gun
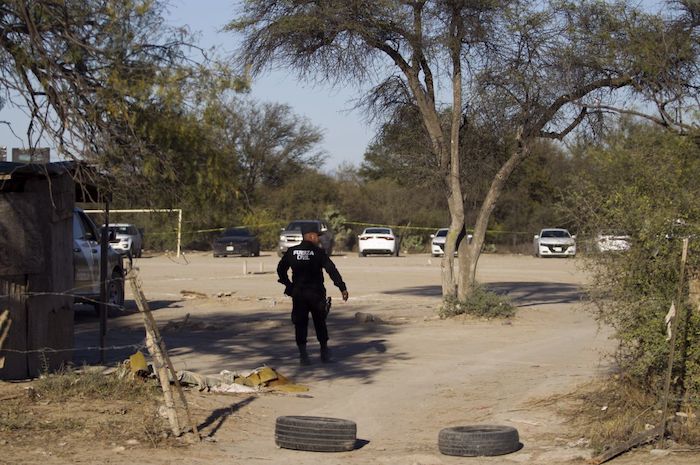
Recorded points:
(328,307)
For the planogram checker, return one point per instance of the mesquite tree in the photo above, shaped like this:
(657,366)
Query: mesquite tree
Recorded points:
(535,69)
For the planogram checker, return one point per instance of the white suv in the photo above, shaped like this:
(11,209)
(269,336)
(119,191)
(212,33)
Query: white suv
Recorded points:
(126,239)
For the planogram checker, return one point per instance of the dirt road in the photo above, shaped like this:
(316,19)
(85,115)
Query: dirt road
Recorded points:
(401,381)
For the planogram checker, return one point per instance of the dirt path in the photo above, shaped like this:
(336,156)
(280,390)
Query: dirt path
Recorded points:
(401,382)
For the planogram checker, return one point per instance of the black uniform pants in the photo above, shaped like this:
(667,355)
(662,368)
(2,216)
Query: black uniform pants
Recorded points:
(304,303)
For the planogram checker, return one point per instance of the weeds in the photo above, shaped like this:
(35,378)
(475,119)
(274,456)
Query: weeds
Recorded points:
(92,385)
(481,303)
(611,412)
(87,403)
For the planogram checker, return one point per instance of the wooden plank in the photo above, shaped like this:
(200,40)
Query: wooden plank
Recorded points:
(154,334)
(12,298)
(636,440)
(50,314)
(5,324)
(20,235)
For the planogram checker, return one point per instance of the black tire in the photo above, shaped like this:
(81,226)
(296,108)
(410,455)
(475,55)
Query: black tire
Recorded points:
(316,434)
(478,440)
(115,295)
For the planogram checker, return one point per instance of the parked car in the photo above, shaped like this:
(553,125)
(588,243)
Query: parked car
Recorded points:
(126,239)
(437,242)
(86,265)
(236,241)
(291,236)
(377,241)
(554,242)
(608,241)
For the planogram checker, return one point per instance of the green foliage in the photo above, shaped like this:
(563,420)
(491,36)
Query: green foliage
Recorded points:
(481,303)
(643,181)
(265,225)
(413,243)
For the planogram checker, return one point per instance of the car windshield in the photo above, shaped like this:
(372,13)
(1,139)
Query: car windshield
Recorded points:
(119,230)
(377,231)
(555,233)
(441,233)
(296,225)
(237,232)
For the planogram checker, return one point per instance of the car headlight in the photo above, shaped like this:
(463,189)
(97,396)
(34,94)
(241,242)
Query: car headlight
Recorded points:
(282,238)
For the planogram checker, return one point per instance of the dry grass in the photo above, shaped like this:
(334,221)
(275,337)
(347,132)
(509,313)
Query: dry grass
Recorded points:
(609,412)
(83,406)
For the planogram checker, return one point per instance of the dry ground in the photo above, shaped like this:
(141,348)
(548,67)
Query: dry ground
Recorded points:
(401,382)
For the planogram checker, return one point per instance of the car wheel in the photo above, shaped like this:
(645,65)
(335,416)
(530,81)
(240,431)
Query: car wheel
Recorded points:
(317,434)
(115,294)
(478,440)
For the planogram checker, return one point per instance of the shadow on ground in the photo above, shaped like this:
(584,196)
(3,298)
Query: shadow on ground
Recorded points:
(523,294)
(249,340)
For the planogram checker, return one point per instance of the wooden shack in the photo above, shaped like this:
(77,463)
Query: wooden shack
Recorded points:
(36,266)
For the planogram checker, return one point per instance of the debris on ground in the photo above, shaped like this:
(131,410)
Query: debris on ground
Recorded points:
(221,295)
(193,295)
(187,323)
(260,379)
(362,317)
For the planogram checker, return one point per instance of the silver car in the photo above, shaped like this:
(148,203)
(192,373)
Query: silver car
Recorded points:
(291,236)
(86,265)
(554,242)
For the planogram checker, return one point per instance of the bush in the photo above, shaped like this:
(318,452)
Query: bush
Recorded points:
(413,243)
(481,303)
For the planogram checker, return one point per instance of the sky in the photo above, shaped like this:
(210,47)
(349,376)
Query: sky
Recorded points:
(345,134)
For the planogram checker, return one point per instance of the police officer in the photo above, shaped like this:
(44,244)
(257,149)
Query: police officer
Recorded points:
(307,260)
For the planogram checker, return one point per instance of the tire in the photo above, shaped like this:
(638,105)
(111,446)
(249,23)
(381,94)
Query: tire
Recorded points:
(478,440)
(115,295)
(316,434)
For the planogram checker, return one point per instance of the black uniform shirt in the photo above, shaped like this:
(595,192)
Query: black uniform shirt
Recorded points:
(307,263)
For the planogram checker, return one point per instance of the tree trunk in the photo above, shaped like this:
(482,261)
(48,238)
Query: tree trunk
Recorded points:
(469,254)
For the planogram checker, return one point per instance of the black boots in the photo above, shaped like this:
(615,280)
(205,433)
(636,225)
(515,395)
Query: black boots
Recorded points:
(325,354)
(303,356)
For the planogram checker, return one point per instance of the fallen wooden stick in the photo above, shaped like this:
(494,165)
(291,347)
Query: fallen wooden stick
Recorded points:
(636,440)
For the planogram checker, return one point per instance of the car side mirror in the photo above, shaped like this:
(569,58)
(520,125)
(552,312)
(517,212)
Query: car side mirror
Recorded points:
(537,236)
(573,236)
(432,236)
(324,229)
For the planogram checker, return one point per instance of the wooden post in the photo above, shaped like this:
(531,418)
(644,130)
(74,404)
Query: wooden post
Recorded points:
(104,244)
(672,348)
(4,331)
(161,360)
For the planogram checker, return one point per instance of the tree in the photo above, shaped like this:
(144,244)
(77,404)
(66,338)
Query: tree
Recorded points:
(641,181)
(534,70)
(271,144)
(92,73)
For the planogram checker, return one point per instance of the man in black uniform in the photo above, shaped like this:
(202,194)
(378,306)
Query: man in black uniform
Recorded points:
(307,261)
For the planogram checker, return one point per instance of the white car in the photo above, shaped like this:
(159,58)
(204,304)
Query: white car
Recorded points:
(377,241)
(437,242)
(555,242)
(607,241)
